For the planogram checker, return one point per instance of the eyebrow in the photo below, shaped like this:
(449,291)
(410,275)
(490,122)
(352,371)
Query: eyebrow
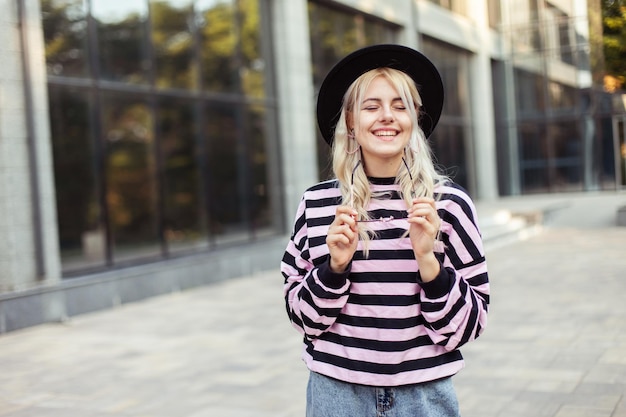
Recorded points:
(378,100)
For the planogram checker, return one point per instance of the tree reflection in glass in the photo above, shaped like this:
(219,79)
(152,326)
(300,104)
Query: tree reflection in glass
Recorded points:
(130,176)
(81,229)
(65,31)
(184,214)
(122,40)
(217,28)
(228,174)
(172,41)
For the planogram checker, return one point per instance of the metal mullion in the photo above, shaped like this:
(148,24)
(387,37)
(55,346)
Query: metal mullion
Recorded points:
(273,150)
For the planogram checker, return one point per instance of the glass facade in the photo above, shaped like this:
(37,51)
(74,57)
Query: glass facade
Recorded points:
(162,124)
(451,141)
(163,116)
(558,125)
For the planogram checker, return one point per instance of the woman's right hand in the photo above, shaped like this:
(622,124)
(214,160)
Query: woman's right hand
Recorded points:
(342,238)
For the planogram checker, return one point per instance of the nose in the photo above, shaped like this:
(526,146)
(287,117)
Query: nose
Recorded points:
(386,114)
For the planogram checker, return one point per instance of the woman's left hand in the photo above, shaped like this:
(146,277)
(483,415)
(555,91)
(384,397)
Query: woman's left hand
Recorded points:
(424,225)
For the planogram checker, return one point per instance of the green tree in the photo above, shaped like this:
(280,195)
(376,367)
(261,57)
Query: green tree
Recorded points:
(614,39)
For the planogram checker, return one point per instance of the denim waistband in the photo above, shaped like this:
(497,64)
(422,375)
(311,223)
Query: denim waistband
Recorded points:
(328,397)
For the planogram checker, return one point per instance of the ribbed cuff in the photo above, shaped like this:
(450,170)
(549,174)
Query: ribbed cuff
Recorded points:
(440,286)
(332,279)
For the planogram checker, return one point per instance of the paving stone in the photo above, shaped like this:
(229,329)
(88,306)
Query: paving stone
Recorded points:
(554,345)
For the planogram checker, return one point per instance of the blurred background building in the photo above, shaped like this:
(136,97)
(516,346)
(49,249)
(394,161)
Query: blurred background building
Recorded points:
(149,146)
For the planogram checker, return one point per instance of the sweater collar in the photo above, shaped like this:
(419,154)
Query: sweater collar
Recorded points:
(382,180)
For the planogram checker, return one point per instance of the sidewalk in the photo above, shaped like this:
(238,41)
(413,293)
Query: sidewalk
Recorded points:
(556,341)
(555,345)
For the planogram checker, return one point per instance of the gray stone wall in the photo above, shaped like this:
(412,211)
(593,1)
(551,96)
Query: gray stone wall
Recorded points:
(29,252)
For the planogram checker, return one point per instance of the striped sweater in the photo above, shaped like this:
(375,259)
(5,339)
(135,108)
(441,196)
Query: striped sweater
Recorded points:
(377,324)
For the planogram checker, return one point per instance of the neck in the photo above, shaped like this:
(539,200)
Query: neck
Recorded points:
(382,168)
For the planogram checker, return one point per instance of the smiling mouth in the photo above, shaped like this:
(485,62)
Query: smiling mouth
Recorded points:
(386,134)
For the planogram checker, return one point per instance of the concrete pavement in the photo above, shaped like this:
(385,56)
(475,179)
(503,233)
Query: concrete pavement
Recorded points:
(555,345)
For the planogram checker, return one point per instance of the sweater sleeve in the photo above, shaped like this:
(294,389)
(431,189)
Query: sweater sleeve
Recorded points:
(314,295)
(455,304)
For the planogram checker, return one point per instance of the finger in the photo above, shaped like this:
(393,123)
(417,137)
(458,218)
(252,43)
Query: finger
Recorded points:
(424,209)
(342,230)
(421,211)
(344,221)
(423,222)
(340,236)
(337,240)
(345,210)
(425,217)
(424,200)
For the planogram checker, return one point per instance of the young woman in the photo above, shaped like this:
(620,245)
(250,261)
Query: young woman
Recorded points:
(385,274)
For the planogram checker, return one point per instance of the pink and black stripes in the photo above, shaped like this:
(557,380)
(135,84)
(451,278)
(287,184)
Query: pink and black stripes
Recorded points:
(377,324)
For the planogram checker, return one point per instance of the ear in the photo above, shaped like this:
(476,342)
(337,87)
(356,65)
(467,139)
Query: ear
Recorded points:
(349,121)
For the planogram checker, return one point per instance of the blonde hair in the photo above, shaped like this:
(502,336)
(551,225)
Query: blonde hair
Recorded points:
(419,180)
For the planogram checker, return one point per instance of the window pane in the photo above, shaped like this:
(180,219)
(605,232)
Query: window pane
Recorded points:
(563,98)
(218,45)
(122,40)
(81,231)
(228,174)
(534,158)
(565,139)
(559,32)
(448,144)
(529,92)
(452,66)
(173,44)
(451,140)
(260,207)
(376,32)
(253,65)
(551,157)
(604,167)
(333,35)
(65,35)
(184,212)
(130,176)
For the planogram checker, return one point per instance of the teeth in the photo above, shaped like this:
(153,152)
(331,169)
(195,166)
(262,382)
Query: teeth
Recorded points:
(385,133)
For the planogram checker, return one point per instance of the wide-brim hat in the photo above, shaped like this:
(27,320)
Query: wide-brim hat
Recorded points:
(405,59)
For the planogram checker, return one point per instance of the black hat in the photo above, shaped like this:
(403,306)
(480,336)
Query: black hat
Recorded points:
(410,61)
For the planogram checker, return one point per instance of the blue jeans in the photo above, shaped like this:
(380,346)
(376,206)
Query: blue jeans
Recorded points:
(328,397)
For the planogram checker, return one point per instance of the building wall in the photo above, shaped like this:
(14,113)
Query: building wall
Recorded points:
(295,93)
(32,289)
(28,246)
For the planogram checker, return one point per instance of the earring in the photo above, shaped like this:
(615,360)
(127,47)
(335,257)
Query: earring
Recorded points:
(351,137)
